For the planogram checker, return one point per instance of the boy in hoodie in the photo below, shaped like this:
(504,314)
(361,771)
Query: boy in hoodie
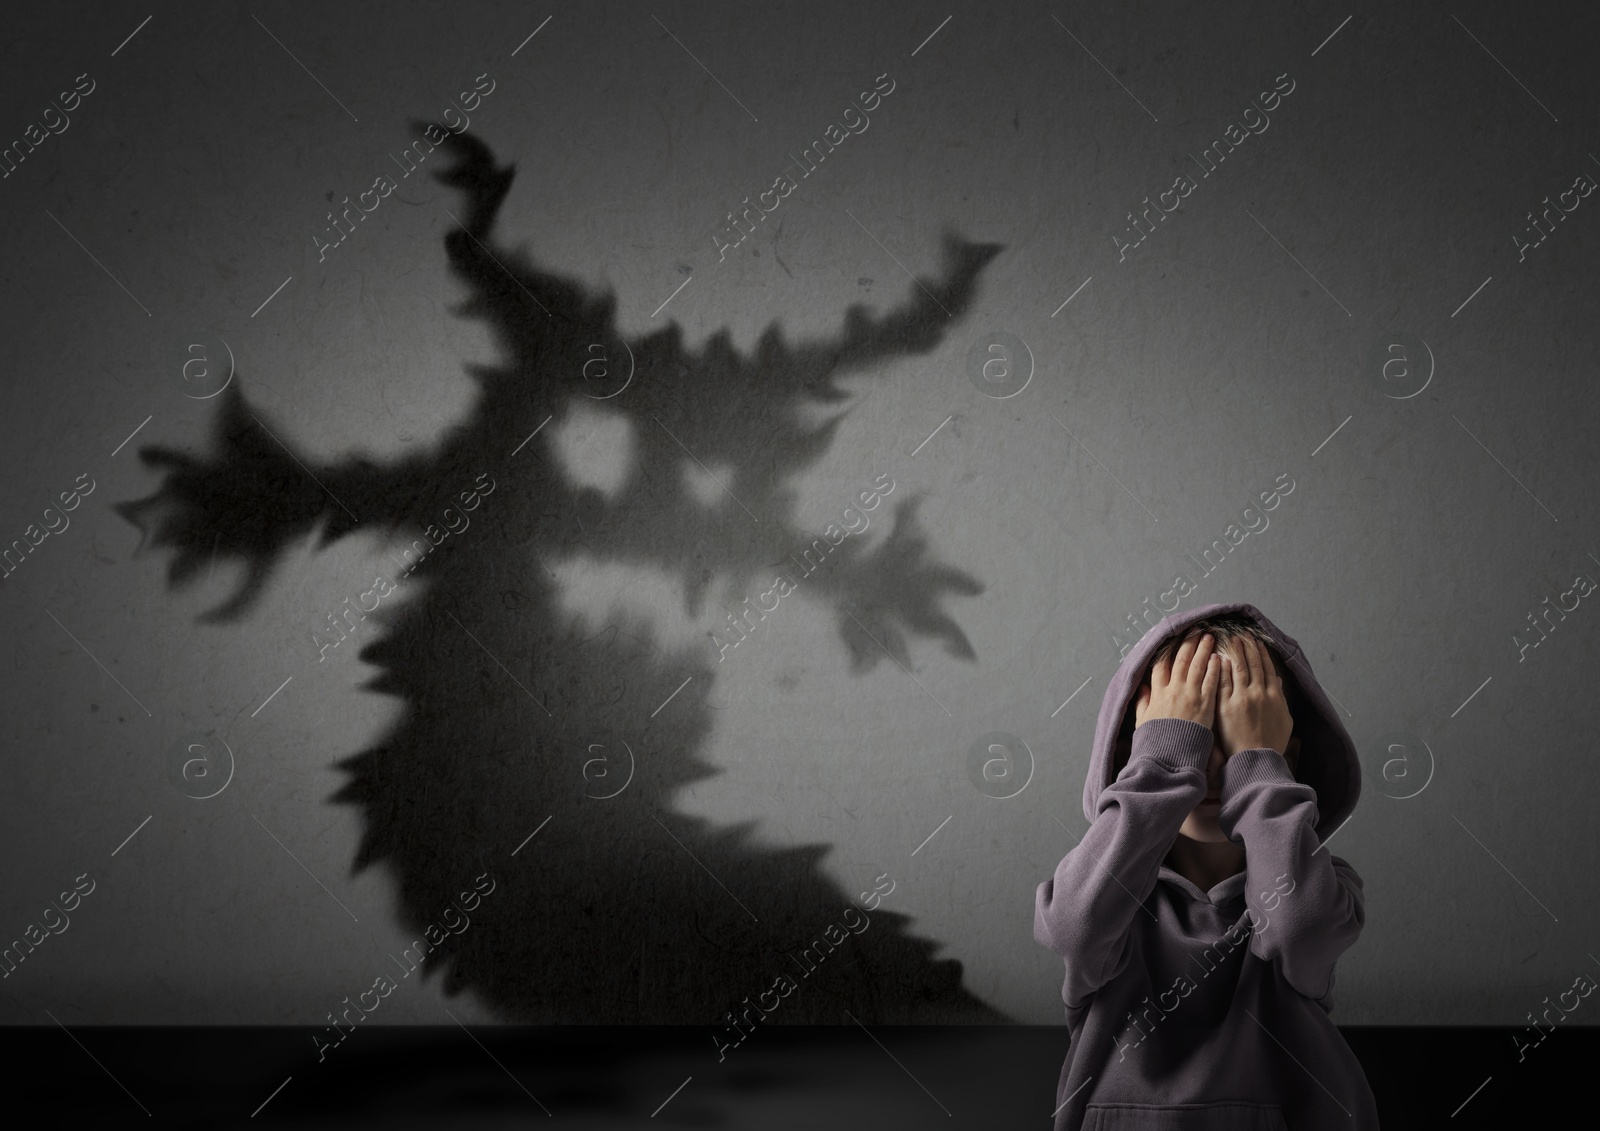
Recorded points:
(1200,918)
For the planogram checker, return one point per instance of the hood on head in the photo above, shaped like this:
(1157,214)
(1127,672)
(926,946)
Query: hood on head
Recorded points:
(1329,763)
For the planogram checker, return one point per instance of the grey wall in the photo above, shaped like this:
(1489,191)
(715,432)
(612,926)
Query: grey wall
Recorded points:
(1382,205)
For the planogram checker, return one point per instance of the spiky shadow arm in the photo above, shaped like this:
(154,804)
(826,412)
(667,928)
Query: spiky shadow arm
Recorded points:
(254,495)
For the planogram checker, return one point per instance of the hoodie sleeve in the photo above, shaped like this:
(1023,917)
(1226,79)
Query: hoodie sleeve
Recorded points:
(1307,906)
(1085,911)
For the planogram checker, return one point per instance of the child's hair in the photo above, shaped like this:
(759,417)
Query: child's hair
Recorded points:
(1223,627)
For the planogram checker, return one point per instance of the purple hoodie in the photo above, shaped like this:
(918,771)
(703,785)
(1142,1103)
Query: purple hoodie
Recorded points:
(1201,1010)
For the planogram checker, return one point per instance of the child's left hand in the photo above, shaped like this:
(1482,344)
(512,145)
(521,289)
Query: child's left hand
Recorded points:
(1251,710)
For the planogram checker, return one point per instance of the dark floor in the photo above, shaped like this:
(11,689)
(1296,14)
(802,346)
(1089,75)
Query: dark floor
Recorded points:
(780,1077)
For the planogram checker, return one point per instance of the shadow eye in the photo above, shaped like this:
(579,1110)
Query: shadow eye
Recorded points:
(594,446)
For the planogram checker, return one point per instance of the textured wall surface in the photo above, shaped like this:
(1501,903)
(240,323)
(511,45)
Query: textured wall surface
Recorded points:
(1027,342)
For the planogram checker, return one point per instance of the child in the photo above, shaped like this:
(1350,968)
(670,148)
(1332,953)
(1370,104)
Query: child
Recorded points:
(1199,918)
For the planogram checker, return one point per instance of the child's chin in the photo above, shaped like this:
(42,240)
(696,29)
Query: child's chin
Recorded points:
(1204,829)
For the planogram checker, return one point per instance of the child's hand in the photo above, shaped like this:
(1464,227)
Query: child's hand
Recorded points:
(1184,687)
(1251,710)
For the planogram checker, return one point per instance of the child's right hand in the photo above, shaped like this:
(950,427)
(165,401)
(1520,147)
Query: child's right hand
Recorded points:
(1184,687)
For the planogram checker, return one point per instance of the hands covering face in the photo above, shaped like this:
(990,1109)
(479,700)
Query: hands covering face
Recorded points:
(1184,686)
(1241,699)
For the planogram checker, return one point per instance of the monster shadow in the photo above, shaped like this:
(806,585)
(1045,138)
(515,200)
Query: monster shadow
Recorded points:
(619,910)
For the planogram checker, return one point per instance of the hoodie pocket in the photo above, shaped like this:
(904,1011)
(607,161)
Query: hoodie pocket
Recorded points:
(1227,1116)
